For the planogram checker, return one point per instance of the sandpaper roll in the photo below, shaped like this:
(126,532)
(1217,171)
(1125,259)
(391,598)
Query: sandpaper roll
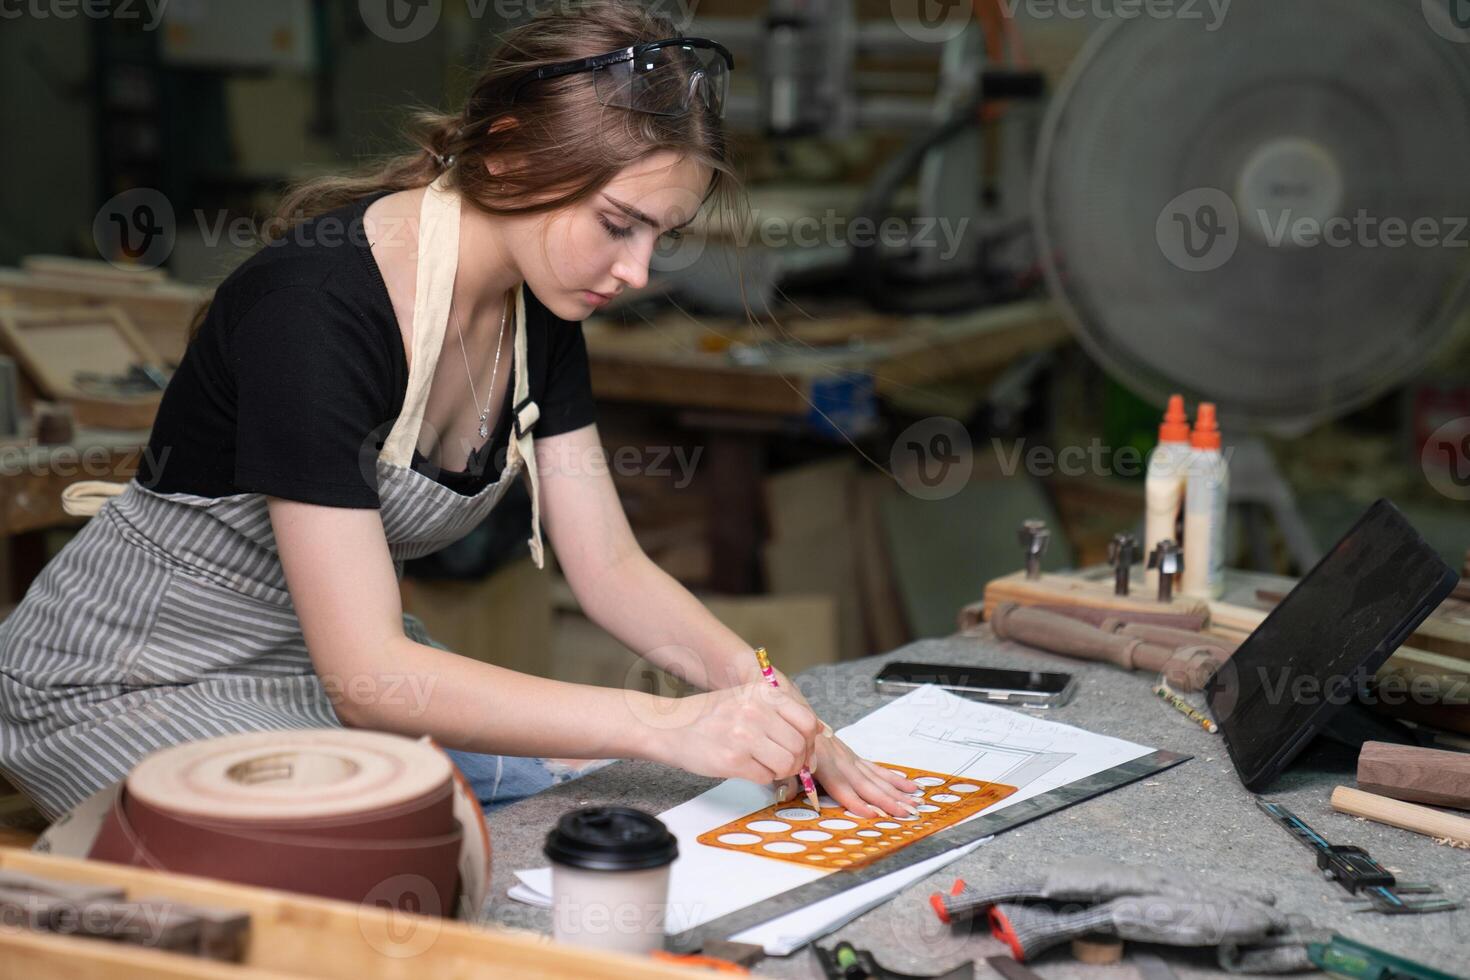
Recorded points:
(338,813)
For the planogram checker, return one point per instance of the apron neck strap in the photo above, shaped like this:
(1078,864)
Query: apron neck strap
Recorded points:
(438,261)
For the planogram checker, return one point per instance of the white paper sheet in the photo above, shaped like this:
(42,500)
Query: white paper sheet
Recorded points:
(928,728)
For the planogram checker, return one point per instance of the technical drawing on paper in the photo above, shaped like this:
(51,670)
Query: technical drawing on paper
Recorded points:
(1016,757)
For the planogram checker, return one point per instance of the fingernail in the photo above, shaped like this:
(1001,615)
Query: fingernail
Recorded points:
(784,792)
(879,811)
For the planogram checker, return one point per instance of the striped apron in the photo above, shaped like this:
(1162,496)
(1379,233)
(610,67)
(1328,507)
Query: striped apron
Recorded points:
(167,617)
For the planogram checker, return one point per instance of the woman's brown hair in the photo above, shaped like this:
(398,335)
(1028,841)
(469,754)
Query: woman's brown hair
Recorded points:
(554,144)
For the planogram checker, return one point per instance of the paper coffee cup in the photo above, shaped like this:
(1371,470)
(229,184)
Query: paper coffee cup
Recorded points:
(610,878)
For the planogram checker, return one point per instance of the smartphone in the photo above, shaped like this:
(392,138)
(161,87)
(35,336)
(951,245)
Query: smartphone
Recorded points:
(1028,688)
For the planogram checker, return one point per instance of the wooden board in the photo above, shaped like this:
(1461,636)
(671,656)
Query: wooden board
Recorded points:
(92,269)
(162,312)
(1395,813)
(53,345)
(301,937)
(1420,775)
(682,361)
(1445,631)
(1071,590)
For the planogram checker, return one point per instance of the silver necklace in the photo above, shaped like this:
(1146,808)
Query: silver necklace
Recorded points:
(490,395)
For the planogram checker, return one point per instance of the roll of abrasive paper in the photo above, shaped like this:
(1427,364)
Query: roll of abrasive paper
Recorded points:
(346,814)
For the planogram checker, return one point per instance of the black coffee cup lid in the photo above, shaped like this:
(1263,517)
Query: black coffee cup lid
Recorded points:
(611,838)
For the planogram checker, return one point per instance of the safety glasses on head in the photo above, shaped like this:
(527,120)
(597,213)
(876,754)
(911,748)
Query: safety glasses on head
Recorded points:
(660,77)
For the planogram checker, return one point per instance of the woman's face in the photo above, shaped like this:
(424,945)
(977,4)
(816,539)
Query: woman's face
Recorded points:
(577,258)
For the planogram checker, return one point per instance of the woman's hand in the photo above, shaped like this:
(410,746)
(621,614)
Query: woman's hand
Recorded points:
(755,732)
(859,785)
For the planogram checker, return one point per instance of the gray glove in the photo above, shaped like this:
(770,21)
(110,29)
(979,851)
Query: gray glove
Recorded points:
(1139,903)
(1087,880)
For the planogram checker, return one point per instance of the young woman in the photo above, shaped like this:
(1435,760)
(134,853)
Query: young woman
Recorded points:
(363,391)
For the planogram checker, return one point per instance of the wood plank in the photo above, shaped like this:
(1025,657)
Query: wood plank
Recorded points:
(53,345)
(302,936)
(1395,813)
(695,386)
(27,955)
(1052,588)
(162,312)
(63,265)
(678,360)
(1446,630)
(1420,775)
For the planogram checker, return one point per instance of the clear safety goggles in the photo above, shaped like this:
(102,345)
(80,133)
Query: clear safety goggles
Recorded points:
(660,77)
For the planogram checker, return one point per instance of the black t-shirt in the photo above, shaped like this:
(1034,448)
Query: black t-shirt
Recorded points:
(298,373)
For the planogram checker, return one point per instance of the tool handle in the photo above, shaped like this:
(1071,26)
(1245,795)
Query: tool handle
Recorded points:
(1396,813)
(1062,634)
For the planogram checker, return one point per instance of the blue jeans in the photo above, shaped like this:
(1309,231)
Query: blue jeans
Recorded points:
(500,780)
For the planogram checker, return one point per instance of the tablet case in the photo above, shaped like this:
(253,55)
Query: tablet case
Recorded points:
(1321,644)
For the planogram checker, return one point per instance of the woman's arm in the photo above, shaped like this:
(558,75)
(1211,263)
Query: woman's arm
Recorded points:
(618,586)
(342,584)
(625,593)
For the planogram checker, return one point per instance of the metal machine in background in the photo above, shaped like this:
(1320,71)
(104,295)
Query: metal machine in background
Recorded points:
(1230,213)
(806,54)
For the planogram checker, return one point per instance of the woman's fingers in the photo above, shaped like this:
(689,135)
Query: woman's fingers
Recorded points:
(790,738)
(780,761)
(903,784)
(862,792)
(803,721)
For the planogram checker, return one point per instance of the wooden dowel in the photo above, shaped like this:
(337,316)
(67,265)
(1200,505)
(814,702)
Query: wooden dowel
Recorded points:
(1395,813)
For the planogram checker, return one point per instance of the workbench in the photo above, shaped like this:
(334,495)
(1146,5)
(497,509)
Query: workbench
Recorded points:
(1195,818)
(736,386)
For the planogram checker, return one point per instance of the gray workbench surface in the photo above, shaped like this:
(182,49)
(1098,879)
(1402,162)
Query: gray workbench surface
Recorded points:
(1195,818)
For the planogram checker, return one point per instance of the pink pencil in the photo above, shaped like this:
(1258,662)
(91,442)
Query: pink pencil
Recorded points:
(769,673)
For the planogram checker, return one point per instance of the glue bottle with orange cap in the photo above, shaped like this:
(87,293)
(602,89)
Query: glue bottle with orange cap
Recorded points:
(1205,506)
(1168,468)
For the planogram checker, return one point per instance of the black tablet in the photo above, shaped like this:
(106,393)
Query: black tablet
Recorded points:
(1323,642)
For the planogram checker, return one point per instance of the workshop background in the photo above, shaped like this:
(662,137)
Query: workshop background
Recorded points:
(983,245)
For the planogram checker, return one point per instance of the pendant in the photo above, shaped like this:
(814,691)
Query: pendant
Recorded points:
(484,429)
